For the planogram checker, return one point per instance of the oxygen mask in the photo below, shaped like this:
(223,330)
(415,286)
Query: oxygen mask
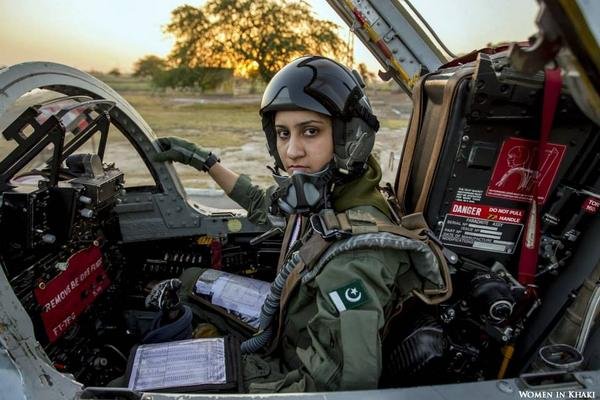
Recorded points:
(301,192)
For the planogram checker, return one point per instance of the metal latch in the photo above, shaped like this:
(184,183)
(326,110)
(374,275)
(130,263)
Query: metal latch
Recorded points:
(319,226)
(450,256)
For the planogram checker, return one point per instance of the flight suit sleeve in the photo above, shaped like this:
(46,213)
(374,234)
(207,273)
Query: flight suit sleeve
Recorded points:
(253,199)
(344,350)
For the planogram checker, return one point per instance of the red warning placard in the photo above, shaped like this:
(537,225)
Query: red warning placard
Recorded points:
(590,205)
(515,175)
(493,213)
(66,296)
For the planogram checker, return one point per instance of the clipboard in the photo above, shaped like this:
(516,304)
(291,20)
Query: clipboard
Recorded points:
(208,365)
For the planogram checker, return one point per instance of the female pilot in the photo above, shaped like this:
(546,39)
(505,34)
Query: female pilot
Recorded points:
(326,327)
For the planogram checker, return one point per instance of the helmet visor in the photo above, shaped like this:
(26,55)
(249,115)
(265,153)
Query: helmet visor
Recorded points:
(286,90)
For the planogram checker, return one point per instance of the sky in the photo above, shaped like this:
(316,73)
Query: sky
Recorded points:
(106,34)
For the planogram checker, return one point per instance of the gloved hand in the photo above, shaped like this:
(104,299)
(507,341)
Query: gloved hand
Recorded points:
(180,150)
(163,295)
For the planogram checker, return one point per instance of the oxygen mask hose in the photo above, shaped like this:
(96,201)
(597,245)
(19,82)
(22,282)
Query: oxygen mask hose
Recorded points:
(269,308)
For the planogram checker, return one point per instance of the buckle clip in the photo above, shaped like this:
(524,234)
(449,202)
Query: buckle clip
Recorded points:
(318,225)
(451,257)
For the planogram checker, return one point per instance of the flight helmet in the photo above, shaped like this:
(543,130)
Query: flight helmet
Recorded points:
(321,84)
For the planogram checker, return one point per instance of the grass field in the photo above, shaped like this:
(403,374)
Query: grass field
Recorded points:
(229,125)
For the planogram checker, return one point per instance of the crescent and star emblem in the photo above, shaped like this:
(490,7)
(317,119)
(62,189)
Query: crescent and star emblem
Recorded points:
(353,295)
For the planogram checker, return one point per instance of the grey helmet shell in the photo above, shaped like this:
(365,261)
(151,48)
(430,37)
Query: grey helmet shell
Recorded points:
(322,85)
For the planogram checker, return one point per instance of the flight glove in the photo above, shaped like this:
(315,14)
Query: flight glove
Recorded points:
(163,295)
(180,150)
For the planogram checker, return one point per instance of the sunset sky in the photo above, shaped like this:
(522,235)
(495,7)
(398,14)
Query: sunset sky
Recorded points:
(101,35)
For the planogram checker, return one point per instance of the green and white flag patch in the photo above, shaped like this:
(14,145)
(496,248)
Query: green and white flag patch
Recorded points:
(350,296)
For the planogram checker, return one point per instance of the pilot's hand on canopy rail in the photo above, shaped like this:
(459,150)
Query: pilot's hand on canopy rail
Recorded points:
(180,150)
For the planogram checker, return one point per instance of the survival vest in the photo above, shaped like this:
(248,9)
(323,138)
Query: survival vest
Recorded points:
(331,233)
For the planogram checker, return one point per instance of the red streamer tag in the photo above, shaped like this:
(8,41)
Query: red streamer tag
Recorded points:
(67,295)
(216,254)
(531,239)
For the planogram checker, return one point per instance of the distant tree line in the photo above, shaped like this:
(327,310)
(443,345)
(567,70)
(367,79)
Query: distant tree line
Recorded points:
(251,38)
(204,78)
(164,76)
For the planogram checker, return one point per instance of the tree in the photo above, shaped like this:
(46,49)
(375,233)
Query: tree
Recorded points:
(363,70)
(149,65)
(254,37)
(114,72)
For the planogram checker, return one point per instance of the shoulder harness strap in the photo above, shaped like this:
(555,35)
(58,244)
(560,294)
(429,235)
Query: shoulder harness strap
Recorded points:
(331,226)
(314,247)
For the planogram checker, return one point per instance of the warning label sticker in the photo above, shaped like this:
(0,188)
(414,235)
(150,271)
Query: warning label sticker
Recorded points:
(469,195)
(480,234)
(501,214)
(515,175)
(590,205)
(67,295)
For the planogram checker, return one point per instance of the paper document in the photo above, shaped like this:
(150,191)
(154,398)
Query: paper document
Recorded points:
(205,282)
(243,295)
(178,364)
(240,295)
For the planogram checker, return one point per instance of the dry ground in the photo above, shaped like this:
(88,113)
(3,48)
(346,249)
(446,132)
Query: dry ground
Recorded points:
(231,127)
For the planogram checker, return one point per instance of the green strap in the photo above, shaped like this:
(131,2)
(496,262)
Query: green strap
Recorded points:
(359,222)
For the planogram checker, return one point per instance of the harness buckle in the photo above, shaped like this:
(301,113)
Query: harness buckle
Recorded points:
(451,257)
(319,225)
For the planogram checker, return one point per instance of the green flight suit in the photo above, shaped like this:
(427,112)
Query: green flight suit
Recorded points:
(322,348)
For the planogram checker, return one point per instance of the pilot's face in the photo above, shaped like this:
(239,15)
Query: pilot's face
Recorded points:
(304,140)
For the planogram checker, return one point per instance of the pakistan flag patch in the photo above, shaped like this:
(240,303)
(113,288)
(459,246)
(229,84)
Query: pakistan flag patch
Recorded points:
(350,296)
